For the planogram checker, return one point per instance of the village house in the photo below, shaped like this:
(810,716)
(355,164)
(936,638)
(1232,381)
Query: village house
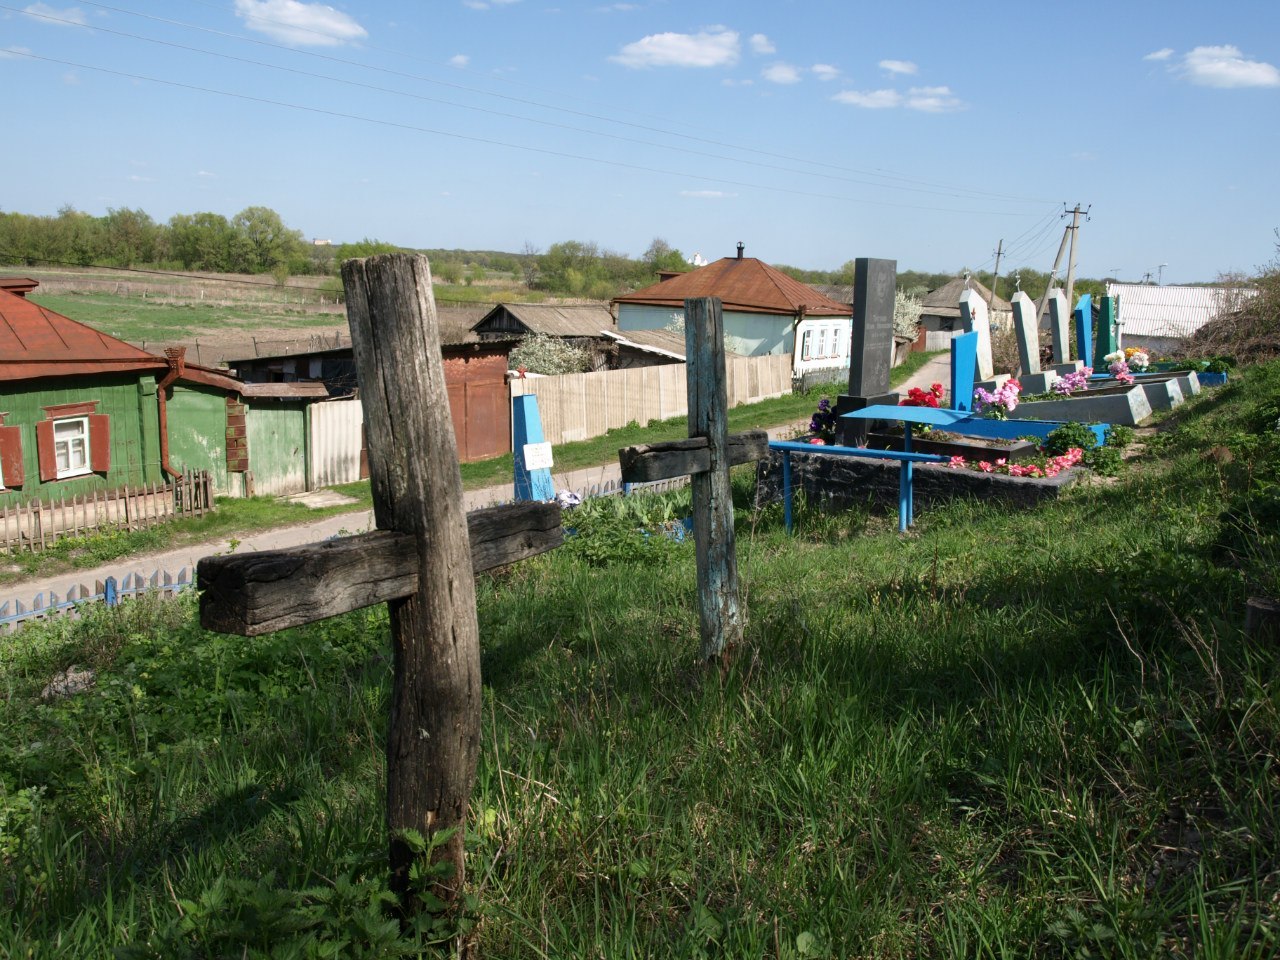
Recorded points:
(765,312)
(1158,318)
(84,412)
(940,320)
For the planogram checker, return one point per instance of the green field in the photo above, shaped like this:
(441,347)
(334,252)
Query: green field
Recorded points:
(1010,733)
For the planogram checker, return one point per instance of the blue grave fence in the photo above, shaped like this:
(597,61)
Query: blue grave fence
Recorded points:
(112,591)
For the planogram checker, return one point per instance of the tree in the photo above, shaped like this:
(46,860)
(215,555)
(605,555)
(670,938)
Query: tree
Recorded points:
(539,353)
(131,236)
(262,239)
(661,256)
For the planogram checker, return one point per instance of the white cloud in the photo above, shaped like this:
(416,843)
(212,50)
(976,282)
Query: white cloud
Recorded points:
(1227,67)
(459,60)
(137,179)
(206,174)
(783,73)
(300,24)
(870,99)
(74,14)
(13,53)
(899,66)
(1163,54)
(707,194)
(731,82)
(933,100)
(71,78)
(924,99)
(825,71)
(486,4)
(761,44)
(706,49)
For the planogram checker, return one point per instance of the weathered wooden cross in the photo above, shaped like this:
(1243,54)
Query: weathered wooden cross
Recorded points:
(421,561)
(706,456)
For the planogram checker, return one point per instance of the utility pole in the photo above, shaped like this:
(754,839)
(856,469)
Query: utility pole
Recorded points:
(1075,229)
(1057,262)
(995,275)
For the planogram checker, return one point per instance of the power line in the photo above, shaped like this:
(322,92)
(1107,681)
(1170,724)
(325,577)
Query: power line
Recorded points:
(496,113)
(488,141)
(355,63)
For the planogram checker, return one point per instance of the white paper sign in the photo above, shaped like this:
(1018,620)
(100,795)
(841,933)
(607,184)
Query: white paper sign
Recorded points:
(537,456)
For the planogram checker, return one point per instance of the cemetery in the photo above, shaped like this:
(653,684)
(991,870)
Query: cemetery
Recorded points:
(796,732)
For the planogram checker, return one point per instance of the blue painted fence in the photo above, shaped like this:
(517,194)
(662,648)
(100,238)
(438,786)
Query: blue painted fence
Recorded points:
(110,591)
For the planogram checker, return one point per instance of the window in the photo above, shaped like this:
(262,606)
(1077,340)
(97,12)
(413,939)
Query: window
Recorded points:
(822,342)
(73,441)
(71,446)
(804,345)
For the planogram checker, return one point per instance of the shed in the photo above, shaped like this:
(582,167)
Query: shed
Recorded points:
(1159,317)
(940,313)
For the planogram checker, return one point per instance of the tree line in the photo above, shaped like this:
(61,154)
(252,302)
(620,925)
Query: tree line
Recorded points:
(256,241)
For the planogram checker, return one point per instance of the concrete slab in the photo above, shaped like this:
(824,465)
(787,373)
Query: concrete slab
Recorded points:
(1130,408)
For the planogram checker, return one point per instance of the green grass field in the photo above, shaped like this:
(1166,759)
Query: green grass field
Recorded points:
(1008,734)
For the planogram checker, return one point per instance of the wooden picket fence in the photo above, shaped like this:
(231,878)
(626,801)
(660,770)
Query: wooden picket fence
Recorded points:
(110,591)
(38,524)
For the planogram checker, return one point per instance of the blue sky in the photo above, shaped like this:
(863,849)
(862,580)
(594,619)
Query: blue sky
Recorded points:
(918,131)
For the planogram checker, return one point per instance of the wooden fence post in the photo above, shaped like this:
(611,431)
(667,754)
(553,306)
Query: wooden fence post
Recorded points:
(434,734)
(719,606)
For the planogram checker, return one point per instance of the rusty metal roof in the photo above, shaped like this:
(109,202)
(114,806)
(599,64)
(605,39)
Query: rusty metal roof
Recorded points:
(37,342)
(553,319)
(19,285)
(744,285)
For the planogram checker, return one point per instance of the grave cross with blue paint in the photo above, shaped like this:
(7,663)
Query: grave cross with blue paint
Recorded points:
(532,453)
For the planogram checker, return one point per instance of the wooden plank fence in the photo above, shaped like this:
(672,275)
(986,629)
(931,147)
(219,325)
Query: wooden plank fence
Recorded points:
(578,406)
(39,524)
(111,591)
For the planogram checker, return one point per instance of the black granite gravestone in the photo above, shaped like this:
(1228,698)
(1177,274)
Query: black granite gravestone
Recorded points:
(871,350)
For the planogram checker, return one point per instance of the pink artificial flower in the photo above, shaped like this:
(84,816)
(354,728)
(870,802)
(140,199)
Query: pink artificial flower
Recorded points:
(818,442)
(957,462)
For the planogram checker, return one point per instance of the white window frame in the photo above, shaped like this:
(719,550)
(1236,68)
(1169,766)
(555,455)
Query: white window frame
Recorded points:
(804,345)
(72,470)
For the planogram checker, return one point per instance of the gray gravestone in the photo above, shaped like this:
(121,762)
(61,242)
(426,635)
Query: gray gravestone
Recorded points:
(1060,331)
(1026,328)
(974,316)
(871,349)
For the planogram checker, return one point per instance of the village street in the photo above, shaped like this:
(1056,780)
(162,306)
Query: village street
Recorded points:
(173,561)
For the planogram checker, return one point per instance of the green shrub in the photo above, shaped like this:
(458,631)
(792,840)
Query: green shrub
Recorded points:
(1067,436)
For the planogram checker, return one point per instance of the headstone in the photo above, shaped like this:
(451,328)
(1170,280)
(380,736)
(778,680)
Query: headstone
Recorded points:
(975,318)
(530,452)
(1060,332)
(1105,339)
(964,363)
(1026,328)
(1083,318)
(871,349)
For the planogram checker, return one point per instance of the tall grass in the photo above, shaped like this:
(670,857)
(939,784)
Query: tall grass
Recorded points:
(1008,734)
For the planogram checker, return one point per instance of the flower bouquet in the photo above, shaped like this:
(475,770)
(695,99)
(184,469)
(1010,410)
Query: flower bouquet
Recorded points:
(1137,359)
(1119,367)
(1000,404)
(1072,382)
(823,424)
(924,398)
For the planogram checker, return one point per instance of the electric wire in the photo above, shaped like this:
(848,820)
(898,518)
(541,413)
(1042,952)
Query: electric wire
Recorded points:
(348,62)
(489,141)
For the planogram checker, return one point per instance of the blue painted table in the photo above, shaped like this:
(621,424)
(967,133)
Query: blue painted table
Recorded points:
(905,457)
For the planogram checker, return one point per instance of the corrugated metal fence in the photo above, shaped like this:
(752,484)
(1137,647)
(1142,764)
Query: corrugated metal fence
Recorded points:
(336,441)
(582,405)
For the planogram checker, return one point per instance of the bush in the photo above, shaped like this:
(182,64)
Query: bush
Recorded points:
(549,356)
(1067,436)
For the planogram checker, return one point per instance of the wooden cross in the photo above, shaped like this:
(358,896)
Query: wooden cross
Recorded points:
(706,456)
(421,561)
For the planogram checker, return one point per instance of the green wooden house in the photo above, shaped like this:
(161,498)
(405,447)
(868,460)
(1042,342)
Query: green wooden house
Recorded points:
(83,412)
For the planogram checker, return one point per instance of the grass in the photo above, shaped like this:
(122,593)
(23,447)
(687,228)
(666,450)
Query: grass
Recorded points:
(1008,734)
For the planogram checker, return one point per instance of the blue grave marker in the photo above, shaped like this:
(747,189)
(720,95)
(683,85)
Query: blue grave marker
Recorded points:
(964,365)
(531,453)
(1083,318)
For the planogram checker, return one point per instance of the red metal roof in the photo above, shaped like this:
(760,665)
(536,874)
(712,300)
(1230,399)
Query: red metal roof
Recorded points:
(36,342)
(19,285)
(744,285)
